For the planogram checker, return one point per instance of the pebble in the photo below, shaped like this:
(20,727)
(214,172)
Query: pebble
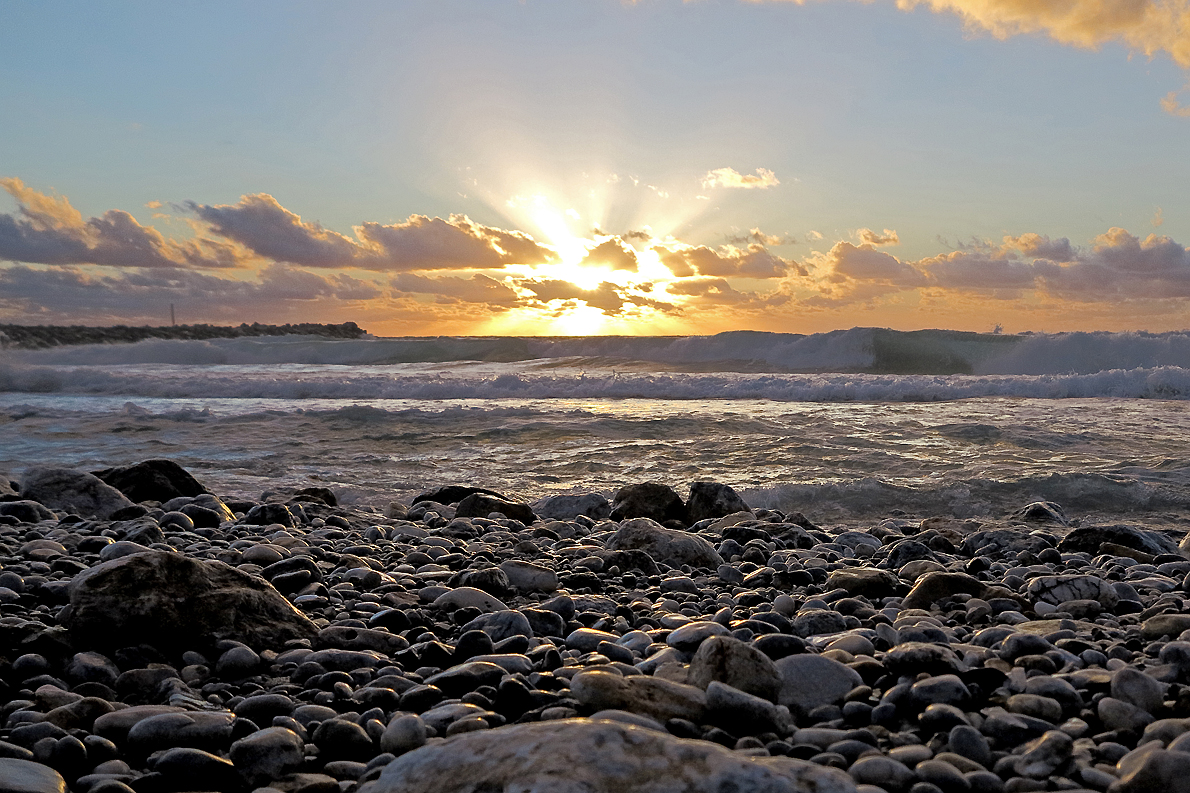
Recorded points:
(914,656)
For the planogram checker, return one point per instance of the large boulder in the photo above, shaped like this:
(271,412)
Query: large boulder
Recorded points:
(73,491)
(596,756)
(152,480)
(25,511)
(480,505)
(651,500)
(453,494)
(592,505)
(671,546)
(176,604)
(1091,538)
(712,500)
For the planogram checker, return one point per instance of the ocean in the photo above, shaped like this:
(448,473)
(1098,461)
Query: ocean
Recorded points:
(853,425)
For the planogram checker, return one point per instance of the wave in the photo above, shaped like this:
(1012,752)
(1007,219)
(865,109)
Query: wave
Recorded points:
(333,383)
(858,350)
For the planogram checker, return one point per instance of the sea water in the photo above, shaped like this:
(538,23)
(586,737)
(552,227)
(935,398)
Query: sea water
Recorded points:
(849,425)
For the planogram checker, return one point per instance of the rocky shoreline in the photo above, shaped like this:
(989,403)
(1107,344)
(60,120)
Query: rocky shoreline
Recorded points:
(156,638)
(38,337)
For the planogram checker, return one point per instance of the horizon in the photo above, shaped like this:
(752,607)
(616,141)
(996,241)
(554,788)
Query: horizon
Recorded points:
(658,168)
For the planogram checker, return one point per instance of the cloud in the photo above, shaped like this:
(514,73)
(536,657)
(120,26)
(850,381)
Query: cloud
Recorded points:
(729,177)
(614,254)
(753,262)
(68,294)
(48,230)
(477,289)
(261,224)
(1158,218)
(1118,266)
(869,237)
(755,235)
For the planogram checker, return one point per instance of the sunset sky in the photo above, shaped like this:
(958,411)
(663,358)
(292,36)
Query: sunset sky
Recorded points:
(597,166)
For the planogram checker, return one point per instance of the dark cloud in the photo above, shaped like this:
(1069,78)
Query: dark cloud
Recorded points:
(758,237)
(72,294)
(261,224)
(477,289)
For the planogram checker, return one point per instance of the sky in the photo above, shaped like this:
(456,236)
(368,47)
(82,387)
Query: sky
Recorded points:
(572,167)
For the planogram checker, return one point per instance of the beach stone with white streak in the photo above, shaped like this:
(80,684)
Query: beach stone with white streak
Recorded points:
(73,491)
(587,756)
(670,546)
(1057,589)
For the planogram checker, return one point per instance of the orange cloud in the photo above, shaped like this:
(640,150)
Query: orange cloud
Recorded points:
(754,262)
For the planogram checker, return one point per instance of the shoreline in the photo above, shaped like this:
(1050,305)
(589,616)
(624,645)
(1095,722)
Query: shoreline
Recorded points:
(159,637)
(40,337)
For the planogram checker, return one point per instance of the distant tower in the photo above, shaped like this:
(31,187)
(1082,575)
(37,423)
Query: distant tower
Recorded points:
(172,321)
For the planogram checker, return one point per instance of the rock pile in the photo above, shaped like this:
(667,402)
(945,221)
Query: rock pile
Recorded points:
(469,642)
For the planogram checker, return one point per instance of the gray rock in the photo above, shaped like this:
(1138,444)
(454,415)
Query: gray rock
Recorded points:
(26,776)
(744,714)
(655,697)
(593,505)
(1151,768)
(1119,715)
(818,622)
(584,756)
(152,480)
(26,511)
(205,730)
(1165,625)
(404,733)
(883,772)
(464,596)
(268,754)
(940,689)
(529,577)
(868,582)
(740,665)
(1042,512)
(182,603)
(670,546)
(73,491)
(652,500)
(1042,756)
(1136,688)
(712,500)
(501,625)
(1089,539)
(809,681)
(688,637)
(932,587)
(480,505)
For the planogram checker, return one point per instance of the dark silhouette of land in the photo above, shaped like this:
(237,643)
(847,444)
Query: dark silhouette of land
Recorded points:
(42,336)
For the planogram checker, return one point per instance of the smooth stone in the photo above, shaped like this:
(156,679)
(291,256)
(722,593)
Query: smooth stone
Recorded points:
(576,755)
(1056,589)
(740,665)
(199,769)
(741,713)
(465,596)
(1042,756)
(688,637)
(267,754)
(1137,688)
(72,491)
(404,733)
(1119,715)
(529,577)
(809,681)
(883,772)
(818,622)
(26,776)
(655,697)
(1151,768)
(934,586)
(670,546)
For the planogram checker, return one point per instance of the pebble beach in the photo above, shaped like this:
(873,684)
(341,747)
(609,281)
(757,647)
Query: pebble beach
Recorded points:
(159,637)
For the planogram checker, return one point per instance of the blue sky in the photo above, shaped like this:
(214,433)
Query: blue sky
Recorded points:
(579,122)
